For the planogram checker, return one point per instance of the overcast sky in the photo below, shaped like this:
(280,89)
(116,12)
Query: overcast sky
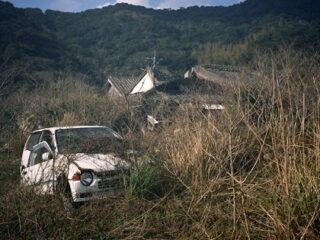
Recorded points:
(81,5)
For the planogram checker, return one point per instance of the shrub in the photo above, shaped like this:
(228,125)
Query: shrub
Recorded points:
(150,180)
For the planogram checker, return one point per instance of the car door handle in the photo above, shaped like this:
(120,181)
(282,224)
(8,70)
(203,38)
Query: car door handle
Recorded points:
(24,172)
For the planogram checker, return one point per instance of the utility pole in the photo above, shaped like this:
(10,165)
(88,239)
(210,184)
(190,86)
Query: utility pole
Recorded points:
(154,59)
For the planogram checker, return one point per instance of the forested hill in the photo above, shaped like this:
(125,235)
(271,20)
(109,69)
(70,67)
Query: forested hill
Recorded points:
(121,39)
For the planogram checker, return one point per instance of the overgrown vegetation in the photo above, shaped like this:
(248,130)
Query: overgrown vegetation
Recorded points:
(251,171)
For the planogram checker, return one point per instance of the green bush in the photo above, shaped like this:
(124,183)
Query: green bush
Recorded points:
(149,180)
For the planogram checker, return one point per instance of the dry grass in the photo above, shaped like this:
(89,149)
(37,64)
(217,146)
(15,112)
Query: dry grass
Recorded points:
(251,171)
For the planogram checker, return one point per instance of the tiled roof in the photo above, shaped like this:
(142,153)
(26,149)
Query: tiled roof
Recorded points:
(222,68)
(216,73)
(124,84)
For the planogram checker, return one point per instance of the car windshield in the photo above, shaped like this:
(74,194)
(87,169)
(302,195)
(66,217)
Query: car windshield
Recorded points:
(87,140)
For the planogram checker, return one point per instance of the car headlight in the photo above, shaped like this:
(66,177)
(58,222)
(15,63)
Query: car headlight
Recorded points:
(86,178)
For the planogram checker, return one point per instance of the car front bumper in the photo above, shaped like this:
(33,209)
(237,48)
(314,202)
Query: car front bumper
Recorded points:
(100,188)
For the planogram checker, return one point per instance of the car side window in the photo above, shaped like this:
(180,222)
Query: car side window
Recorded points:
(47,137)
(36,156)
(33,140)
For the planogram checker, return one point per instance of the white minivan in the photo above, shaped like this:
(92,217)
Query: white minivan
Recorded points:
(78,162)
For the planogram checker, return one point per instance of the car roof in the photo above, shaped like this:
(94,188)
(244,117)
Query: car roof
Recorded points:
(53,129)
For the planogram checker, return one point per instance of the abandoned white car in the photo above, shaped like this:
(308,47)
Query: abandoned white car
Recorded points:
(79,162)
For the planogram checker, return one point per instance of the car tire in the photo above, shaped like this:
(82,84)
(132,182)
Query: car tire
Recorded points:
(65,195)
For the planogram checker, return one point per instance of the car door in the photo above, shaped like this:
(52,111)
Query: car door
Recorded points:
(32,141)
(39,171)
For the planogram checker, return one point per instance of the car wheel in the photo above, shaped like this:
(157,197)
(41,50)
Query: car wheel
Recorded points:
(65,195)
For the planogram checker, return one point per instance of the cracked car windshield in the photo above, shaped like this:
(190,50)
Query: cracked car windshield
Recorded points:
(87,140)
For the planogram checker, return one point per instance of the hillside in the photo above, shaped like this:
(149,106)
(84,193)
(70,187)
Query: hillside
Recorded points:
(233,152)
(121,39)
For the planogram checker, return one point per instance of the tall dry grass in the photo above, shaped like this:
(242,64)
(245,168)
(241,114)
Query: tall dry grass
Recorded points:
(249,172)
(253,172)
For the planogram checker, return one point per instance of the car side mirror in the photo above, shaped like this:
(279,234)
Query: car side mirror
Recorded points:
(47,156)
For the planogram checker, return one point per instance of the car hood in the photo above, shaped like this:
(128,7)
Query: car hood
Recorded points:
(97,162)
